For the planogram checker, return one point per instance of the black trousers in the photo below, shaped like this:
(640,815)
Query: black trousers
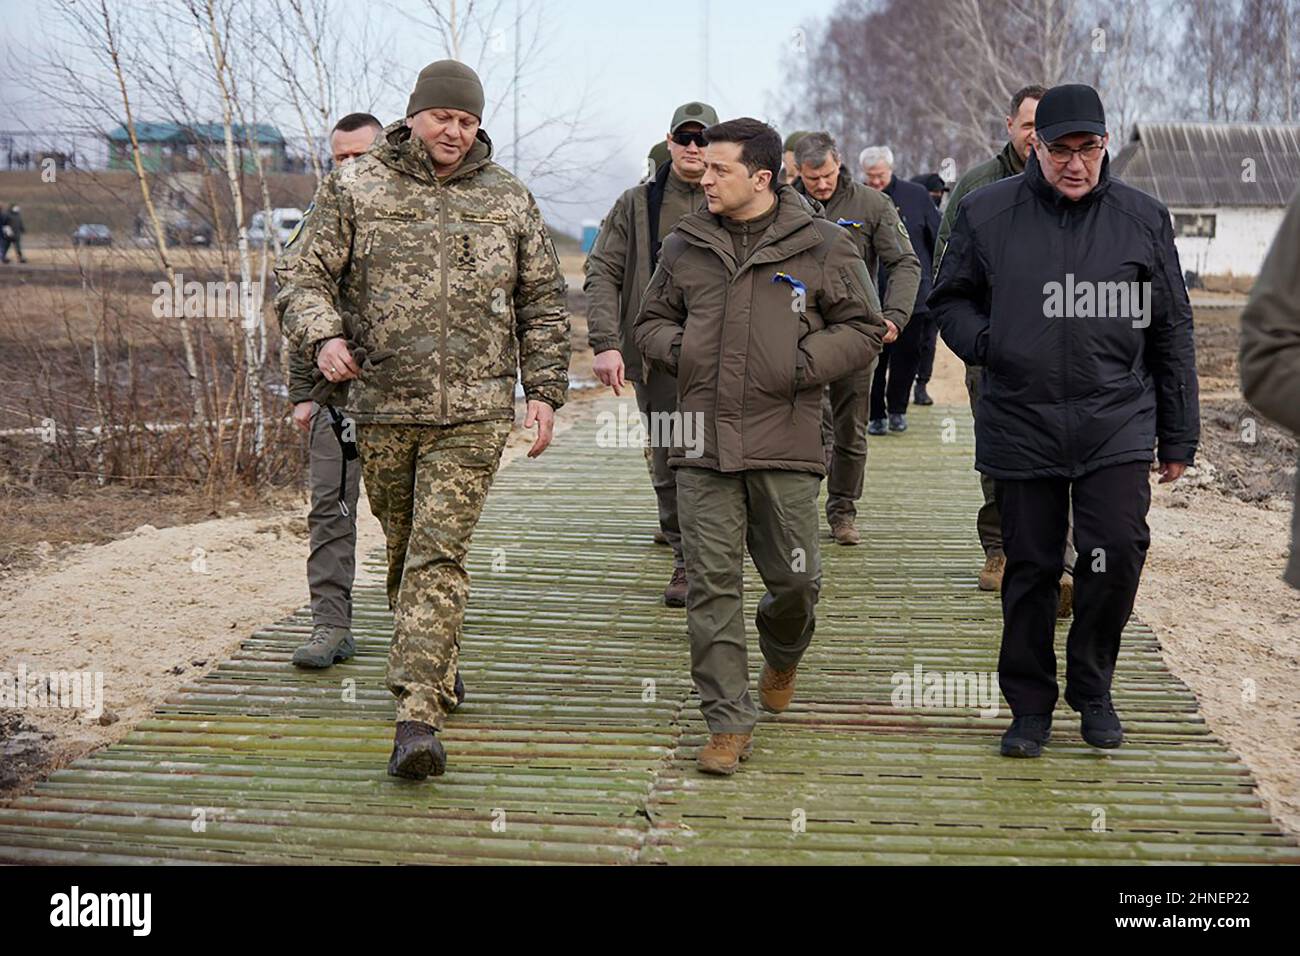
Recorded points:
(1111,537)
(929,333)
(891,386)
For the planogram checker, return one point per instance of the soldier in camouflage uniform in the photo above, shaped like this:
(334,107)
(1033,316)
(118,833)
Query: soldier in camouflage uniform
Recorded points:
(440,258)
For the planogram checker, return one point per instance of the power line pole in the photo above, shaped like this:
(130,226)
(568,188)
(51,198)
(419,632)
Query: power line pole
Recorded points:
(707,95)
(514,153)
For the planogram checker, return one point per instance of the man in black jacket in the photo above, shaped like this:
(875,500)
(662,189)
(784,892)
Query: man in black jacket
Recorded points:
(891,383)
(1064,285)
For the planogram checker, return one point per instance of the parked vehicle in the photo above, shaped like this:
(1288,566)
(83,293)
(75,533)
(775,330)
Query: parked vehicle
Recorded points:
(92,234)
(183,231)
(283,222)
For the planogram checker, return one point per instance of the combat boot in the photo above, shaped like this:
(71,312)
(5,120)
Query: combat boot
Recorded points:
(724,752)
(675,593)
(1066,605)
(775,688)
(326,646)
(845,532)
(991,576)
(417,753)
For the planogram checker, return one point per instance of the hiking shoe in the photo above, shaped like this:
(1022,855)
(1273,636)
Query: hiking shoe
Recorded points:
(326,646)
(844,531)
(775,688)
(661,538)
(675,593)
(920,396)
(898,423)
(991,576)
(876,427)
(1027,735)
(724,752)
(416,752)
(1066,606)
(1099,724)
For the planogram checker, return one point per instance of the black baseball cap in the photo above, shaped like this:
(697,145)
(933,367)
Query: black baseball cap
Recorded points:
(1071,108)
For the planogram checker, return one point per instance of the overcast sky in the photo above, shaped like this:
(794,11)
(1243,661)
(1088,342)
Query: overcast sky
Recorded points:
(636,62)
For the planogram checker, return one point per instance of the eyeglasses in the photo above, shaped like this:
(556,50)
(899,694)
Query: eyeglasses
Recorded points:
(1063,154)
(686,139)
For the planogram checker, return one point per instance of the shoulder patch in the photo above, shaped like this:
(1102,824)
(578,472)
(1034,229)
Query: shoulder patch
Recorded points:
(297,230)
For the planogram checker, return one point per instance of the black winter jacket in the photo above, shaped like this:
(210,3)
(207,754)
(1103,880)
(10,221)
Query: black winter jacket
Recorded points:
(1046,294)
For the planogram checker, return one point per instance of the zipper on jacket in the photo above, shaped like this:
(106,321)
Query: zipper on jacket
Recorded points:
(442,313)
(1066,327)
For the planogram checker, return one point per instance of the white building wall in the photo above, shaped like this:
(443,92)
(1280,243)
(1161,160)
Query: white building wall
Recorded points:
(1241,239)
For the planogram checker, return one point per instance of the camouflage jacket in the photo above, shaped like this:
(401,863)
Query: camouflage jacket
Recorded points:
(457,277)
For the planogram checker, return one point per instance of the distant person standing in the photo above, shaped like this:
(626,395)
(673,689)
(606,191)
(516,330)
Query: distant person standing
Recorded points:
(936,187)
(789,168)
(11,233)
(334,469)
(891,383)
(1270,347)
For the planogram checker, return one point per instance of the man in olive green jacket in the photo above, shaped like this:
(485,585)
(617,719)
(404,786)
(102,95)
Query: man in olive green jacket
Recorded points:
(755,306)
(617,273)
(881,238)
(1270,348)
(427,251)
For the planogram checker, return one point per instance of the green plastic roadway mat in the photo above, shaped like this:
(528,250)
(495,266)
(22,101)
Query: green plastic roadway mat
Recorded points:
(578,740)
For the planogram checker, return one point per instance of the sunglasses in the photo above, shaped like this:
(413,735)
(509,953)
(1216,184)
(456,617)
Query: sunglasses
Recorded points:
(686,139)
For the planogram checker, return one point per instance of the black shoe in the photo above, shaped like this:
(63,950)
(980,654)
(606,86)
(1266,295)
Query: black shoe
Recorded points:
(416,752)
(1026,735)
(460,690)
(1099,723)
(920,396)
(876,426)
(898,423)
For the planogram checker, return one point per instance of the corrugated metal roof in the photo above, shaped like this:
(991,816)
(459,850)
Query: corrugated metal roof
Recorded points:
(1204,164)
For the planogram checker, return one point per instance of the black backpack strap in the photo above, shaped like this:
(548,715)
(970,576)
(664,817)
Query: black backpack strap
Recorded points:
(350,453)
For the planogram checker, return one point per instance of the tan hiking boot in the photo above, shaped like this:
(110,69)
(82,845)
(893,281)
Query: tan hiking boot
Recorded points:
(1066,607)
(675,593)
(661,538)
(775,688)
(844,531)
(724,752)
(991,576)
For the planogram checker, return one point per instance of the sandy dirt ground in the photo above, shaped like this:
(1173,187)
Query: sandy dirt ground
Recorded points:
(157,608)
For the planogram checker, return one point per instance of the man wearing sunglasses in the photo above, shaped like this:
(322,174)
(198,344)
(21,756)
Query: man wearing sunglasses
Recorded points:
(617,273)
(1063,283)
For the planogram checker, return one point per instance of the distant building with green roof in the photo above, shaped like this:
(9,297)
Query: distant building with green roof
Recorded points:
(177,147)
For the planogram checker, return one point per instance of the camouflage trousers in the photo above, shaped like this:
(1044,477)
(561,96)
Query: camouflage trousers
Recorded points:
(426,484)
